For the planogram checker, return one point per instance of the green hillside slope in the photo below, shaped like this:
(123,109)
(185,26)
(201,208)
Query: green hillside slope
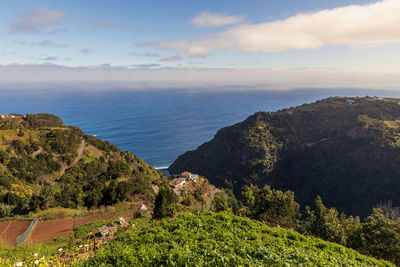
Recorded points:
(222,239)
(345,149)
(45,164)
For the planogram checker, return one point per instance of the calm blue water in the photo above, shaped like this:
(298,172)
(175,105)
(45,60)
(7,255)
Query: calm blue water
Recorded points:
(158,126)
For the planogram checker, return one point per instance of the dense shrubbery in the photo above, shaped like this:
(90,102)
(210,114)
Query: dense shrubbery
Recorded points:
(222,239)
(377,236)
(272,206)
(43,120)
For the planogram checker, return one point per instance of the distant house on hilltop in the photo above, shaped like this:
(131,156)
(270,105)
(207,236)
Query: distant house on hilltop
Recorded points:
(5,116)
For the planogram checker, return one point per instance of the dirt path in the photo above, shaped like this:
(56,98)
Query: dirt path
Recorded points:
(80,153)
(212,197)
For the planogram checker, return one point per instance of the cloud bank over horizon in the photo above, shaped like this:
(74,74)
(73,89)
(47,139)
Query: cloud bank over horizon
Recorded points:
(41,76)
(269,45)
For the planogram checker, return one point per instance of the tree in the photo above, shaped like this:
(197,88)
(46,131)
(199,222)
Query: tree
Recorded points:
(164,204)
(324,223)
(220,202)
(352,228)
(381,237)
(272,206)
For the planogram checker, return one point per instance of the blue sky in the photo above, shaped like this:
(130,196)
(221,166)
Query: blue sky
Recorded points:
(343,36)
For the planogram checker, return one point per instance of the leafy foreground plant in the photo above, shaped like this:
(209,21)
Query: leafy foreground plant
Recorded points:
(222,239)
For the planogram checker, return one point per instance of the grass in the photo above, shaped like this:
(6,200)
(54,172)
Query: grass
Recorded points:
(27,254)
(8,132)
(222,239)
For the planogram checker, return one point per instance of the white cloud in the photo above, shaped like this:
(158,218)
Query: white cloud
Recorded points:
(37,20)
(354,25)
(206,19)
(106,76)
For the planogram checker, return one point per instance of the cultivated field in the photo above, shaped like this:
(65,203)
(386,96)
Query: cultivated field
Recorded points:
(9,230)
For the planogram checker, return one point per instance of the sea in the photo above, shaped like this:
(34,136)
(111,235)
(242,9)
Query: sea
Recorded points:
(159,125)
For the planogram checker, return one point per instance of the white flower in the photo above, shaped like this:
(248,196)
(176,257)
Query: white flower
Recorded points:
(36,254)
(86,245)
(80,246)
(18,264)
(36,262)
(60,249)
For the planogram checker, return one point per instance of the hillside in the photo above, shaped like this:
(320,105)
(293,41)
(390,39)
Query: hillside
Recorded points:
(345,149)
(45,164)
(222,239)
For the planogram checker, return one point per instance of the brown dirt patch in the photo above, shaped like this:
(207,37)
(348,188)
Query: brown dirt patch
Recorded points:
(10,230)
(45,231)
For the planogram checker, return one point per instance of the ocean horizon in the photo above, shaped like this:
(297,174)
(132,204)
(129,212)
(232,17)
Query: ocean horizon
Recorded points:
(160,125)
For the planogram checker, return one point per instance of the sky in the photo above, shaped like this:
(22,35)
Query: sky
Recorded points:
(100,44)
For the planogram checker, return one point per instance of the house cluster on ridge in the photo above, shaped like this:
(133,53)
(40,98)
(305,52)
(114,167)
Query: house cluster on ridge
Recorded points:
(184,178)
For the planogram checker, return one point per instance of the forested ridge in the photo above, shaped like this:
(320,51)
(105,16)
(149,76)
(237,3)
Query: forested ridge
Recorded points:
(347,150)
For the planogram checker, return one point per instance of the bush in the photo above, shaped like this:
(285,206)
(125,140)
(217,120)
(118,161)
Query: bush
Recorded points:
(6,210)
(381,237)
(272,206)
(164,204)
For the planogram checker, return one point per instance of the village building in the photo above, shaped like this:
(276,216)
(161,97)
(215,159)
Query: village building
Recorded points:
(178,183)
(189,175)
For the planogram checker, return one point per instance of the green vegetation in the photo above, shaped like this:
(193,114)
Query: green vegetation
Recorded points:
(43,120)
(40,168)
(272,206)
(28,255)
(165,203)
(225,201)
(347,153)
(89,228)
(378,236)
(222,239)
